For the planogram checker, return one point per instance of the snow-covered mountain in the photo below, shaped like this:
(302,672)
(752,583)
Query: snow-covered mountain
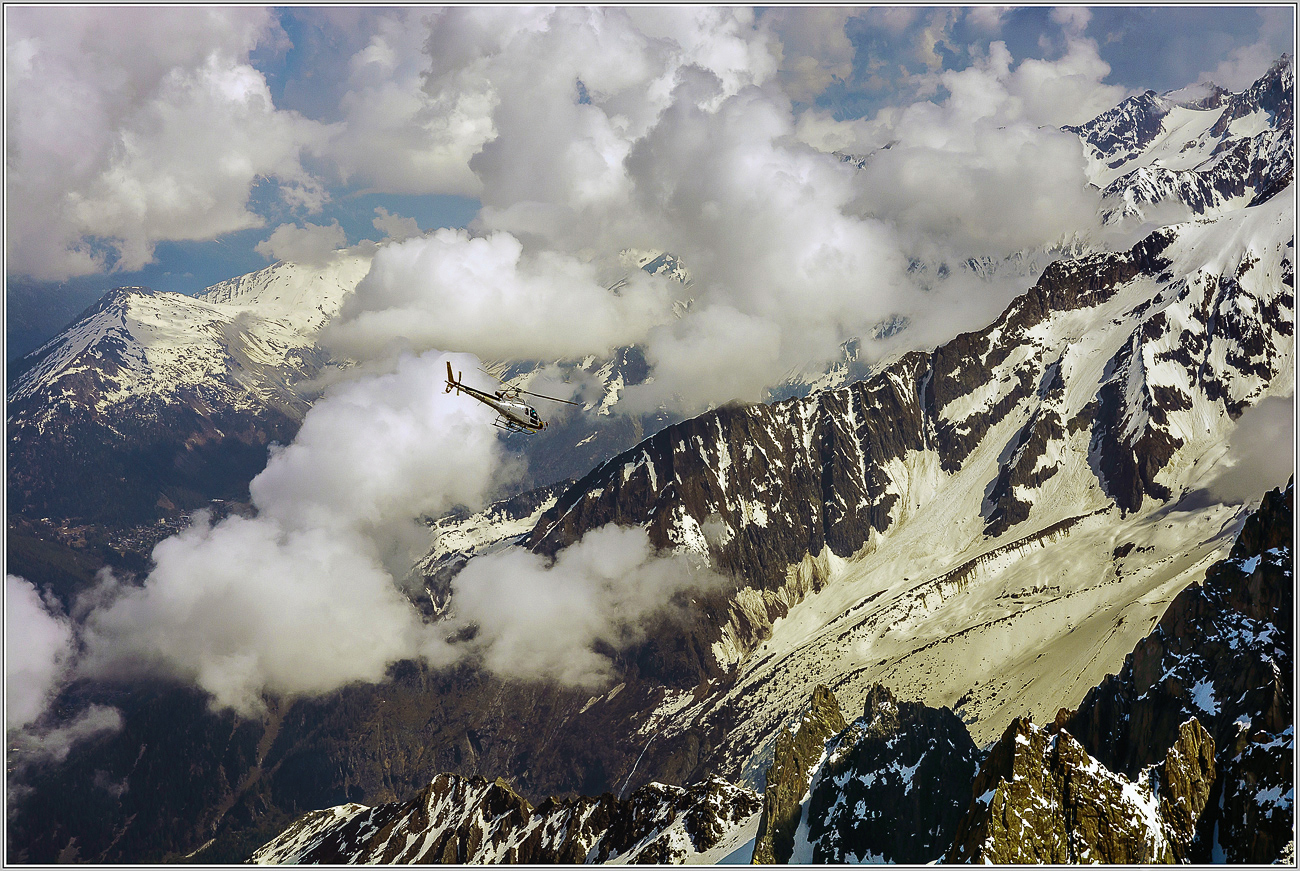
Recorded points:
(150,402)
(1194,151)
(964,523)
(1148,769)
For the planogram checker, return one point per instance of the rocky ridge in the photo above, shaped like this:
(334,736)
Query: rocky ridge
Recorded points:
(1201,149)
(898,761)
(458,821)
(1040,798)
(1176,776)
(800,749)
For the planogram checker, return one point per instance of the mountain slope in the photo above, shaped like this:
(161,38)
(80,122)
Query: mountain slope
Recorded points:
(1201,149)
(154,402)
(905,783)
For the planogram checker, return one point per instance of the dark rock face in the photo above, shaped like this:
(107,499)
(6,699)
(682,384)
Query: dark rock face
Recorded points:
(901,761)
(156,461)
(1252,817)
(1040,798)
(1222,654)
(459,821)
(797,753)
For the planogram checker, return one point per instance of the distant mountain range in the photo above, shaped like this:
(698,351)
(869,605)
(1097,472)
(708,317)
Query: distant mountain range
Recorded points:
(959,543)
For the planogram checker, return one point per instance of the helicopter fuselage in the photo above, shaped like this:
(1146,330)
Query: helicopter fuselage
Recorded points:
(514,415)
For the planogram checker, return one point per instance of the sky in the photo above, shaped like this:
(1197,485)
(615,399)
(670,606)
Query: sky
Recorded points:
(162,147)
(511,163)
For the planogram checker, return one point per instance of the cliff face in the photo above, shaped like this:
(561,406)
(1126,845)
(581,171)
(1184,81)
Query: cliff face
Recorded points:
(1040,798)
(798,752)
(898,761)
(1222,653)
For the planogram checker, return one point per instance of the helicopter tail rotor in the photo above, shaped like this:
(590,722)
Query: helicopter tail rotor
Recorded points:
(452,381)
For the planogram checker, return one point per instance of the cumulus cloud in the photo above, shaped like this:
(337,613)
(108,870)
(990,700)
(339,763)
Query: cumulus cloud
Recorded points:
(1243,66)
(394,227)
(815,50)
(309,244)
(540,620)
(675,130)
(987,19)
(40,650)
(1073,19)
(53,744)
(305,596)
(38,647)
(128,127)
(486,295)
(396,134)
(1261,452)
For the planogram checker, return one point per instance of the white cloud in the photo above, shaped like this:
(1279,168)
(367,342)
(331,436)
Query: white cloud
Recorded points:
(55,743)
(394,227)
(131,126)
(1243,66)
(38,646)
(1073,19)
(40,651)
(670,129)
(399,133)
(546,621)
(1261,452)
(987,19)
(305,597)
(815,50)
(485,295)
(310,243)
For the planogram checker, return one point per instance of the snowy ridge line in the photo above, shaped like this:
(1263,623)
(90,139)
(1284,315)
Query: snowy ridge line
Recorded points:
(461,820)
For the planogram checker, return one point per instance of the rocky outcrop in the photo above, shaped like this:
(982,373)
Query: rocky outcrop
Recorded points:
(472,821)
(1222,653)
(1252,816)
(799,749)
(1040,798)
(899,761)
(1124,131)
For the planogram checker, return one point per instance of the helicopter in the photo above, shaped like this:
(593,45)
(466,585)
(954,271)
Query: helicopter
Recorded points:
(513,414)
